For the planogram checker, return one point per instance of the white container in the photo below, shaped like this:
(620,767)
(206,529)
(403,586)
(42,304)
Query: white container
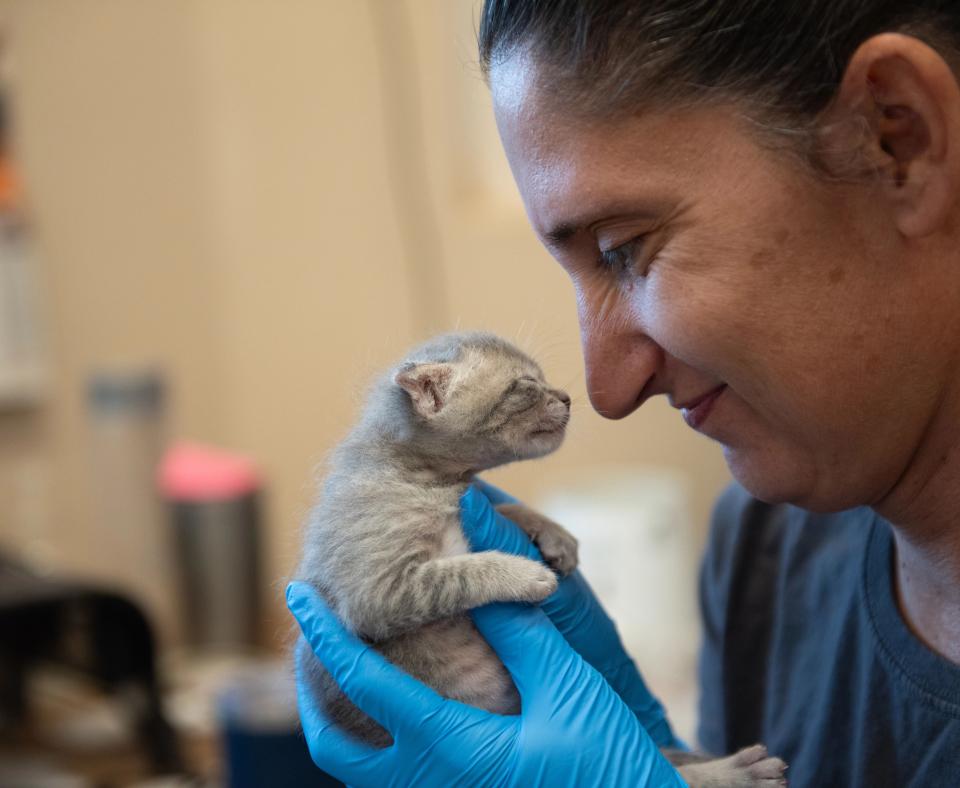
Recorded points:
(639,553)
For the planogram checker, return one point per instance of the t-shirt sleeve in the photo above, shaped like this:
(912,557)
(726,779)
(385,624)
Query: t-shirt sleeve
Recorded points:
(716,573)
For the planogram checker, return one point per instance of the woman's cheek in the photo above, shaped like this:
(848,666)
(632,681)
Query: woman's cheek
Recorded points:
(691,316)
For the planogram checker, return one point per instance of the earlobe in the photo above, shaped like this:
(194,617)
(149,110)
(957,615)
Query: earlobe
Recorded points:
(428,386)
(904,99)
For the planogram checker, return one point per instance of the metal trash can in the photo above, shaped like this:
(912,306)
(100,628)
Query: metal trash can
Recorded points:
(213,497)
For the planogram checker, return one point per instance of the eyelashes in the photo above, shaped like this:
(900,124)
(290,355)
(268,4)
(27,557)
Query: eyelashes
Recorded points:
(621,259)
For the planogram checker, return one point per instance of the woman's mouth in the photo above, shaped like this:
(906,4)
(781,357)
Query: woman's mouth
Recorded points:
(697,412)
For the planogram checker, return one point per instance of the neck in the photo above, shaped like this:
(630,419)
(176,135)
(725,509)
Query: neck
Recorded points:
(927,583)
(924,509)
(410,464)
(431,470)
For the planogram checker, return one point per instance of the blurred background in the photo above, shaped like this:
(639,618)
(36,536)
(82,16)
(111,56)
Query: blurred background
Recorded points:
(219,219)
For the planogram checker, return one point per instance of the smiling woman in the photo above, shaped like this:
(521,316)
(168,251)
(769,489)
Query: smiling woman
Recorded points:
(758,205)
(703,259)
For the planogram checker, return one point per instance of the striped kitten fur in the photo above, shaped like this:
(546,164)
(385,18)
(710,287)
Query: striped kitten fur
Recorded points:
(384,544)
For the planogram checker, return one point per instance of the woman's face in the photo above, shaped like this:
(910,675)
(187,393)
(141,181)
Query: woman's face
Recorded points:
(719,272)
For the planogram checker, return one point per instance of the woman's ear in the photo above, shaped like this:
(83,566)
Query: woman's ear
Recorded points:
(898,107)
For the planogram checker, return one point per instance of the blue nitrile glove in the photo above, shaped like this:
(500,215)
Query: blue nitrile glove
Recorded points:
(573,609)
(573,730)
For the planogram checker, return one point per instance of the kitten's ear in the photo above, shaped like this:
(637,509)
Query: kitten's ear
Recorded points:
(427,385)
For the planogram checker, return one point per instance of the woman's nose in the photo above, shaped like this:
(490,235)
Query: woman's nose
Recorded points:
(620,363)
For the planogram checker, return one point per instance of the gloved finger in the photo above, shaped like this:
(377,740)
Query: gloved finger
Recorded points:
(495,495)
(331,748)
(394,699)
(487,529)
(530,647)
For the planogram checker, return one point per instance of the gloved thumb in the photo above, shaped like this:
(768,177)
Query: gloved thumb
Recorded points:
(486,529)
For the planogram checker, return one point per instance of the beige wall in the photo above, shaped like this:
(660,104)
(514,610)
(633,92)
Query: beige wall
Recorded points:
(210,185)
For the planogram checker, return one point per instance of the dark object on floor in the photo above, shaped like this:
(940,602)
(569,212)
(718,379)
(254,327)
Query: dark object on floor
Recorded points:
(100,634)
(280,760)
(263,743)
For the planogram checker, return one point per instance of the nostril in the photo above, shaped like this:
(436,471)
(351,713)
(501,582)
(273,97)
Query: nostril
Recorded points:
(563,397)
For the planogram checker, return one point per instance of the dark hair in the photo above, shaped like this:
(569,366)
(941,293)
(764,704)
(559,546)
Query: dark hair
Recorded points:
(785,58)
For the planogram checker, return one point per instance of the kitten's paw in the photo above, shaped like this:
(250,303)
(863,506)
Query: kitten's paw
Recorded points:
(761,765)
(751,767)
(559,549)
(556,545)
(526,580)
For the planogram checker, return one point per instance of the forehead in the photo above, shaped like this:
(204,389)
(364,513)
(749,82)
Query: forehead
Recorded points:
(499,363)
(571,170)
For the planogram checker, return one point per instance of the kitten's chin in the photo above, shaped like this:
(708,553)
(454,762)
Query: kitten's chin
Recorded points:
(546,441)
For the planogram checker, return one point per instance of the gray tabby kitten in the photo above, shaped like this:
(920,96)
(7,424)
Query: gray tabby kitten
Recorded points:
(384,544)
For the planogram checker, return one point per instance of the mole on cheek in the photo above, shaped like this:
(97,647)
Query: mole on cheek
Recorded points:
(836,276)
(781,236)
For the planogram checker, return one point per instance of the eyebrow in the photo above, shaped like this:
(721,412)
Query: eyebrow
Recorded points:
(560,234)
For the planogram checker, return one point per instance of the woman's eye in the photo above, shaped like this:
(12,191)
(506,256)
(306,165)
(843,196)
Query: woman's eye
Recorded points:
(621,259)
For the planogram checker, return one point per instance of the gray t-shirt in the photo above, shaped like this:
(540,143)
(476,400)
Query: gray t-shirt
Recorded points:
(805,650)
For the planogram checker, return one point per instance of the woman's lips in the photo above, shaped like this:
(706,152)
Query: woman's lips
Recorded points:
(696,415)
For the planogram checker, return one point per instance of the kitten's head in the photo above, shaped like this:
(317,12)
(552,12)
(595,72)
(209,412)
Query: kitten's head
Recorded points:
(476,400)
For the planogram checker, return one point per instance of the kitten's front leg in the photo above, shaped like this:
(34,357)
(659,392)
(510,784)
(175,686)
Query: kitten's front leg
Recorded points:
(406,598)
(557,545)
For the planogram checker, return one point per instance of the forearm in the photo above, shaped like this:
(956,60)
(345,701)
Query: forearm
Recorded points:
(409,597)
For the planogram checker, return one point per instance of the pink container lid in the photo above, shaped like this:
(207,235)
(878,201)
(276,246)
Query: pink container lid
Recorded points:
(193,472)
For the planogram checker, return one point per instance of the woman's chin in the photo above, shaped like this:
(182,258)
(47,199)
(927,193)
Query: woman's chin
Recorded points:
(767,478)
(786,478)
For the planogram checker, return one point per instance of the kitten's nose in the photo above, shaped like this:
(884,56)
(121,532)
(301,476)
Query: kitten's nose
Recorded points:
(562,396)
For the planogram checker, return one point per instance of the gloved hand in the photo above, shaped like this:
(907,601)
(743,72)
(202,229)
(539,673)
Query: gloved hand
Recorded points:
(573,609)
(573,730)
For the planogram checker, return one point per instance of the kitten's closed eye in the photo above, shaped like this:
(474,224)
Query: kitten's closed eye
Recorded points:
(528,393)
(523,388)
